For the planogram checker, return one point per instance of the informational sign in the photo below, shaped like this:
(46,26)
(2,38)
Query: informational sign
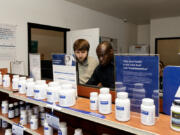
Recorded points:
(7,42)
(17,67)
(52,120)
(139,76)
(17,129)
(35,66)
(171,87)
(64,69)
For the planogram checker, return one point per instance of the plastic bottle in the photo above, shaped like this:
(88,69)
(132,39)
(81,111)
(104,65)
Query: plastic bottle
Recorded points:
(67,97)
(63,128)
(4,107)
(36,110)
(78,131)
(4,124)
(23,117)
(105,101)
(42,115)
(175,115)
(94,101)
(22,85)
(8,132)
(15,82)
(6,81)
(34,122)
(30,89)
(21,106)
(47,129)
(1,79)
(16,109)
(122,106)
(11,111)
(148,112)
(29,114)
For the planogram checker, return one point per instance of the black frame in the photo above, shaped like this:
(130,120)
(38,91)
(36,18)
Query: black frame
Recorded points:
(156,42)
(45,27)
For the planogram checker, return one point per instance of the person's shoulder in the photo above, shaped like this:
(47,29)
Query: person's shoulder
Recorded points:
(92,60)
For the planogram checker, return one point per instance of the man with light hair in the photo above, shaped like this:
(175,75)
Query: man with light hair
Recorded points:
(86,64)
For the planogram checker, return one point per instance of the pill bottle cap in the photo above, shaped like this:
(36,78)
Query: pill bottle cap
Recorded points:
(147,101)
(104,90)
(63,124)
(78,131)
(11,105)
(93,94)
(176,102)
(122,95)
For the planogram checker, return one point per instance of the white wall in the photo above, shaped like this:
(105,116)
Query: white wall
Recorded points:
(143,34)
(162,28)
(62,14)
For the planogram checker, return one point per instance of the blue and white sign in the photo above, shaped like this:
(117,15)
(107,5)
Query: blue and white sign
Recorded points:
(171,89)
(64,69)
(139,76)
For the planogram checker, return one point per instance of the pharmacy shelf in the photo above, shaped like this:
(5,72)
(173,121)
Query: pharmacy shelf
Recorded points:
(82,104)
(26,99)
(4,117)
(6,90)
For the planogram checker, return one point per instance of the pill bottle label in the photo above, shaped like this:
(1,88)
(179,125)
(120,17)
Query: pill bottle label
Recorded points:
(119,108)
(144,112)
(175,120)
(49,93)
(104,102)
(11,114)
(93,101)
(63,97)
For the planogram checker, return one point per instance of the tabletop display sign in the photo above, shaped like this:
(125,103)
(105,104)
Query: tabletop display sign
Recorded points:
(17,129)
(139,76)
(35,66)
(171,87)
(64,69)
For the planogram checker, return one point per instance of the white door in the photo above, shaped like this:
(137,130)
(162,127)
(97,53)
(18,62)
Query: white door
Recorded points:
(91,35)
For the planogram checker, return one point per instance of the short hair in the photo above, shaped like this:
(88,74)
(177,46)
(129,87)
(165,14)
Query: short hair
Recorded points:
(81,44)
(107,44)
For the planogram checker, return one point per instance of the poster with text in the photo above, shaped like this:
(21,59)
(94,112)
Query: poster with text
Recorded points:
(139,76)
(64,69)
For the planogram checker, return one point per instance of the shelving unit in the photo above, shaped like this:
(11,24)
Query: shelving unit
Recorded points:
(16,121)
(133,126)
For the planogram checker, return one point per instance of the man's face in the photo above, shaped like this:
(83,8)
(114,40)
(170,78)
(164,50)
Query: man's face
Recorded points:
(104,55)
(81,55)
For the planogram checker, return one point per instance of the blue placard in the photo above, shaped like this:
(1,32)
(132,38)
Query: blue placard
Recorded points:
(171,82)
(63,59)
(139,76)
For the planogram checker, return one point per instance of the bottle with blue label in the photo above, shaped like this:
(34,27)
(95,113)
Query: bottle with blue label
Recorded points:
(47,129)
(122,106)
(105,101)
(148,112)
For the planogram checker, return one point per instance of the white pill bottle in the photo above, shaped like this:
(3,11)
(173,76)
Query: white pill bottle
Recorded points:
(122,106)
(148,112)
(105,101)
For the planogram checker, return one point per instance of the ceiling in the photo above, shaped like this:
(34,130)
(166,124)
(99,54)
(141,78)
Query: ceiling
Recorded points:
(134,11)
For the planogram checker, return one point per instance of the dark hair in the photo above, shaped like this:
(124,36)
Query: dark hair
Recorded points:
(107,44)
(81,44)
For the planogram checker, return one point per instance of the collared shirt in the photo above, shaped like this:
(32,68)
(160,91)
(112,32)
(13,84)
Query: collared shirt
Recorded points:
(103,75)
(86,69)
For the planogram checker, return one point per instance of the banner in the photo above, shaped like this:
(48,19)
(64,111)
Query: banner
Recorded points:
(139,76)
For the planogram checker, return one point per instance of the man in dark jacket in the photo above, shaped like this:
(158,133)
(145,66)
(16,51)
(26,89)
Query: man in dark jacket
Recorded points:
(104,72)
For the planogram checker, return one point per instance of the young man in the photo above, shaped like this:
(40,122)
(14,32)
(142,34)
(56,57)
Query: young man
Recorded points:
(86,64)
(104,72)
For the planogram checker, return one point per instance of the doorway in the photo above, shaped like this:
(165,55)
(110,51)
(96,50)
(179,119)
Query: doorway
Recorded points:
(46,40)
